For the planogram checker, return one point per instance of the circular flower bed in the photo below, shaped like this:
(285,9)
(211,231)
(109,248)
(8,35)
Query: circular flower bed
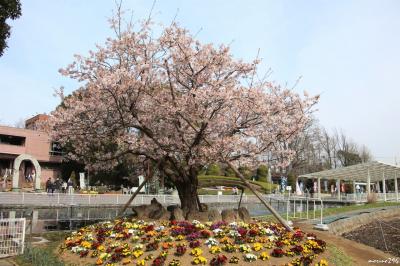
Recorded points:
(135,242)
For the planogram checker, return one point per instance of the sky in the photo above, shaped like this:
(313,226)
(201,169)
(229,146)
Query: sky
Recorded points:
(347,51)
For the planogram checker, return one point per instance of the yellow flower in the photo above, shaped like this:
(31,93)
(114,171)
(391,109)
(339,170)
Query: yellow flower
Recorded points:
(225,240)
(140,263)
(104,256)
(257,247)
(199,260)
(322,262)
(137,253)
(101,248)
(215,250)
(180,237)
(196,252)
(264,256)
(86,244)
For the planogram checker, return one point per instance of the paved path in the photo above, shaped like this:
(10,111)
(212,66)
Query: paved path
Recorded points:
(6,262)
(359,253)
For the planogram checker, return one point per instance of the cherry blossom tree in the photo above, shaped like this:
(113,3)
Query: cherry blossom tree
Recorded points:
(157,93)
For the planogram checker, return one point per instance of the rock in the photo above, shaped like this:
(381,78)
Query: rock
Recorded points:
(229,216)
(214,216)
(199,216)
(153,211)
(244,215)
(204,207)
(139,211)
(177,214)
(171,208)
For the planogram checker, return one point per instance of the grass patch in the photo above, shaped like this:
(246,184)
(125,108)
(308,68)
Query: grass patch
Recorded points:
(338,256)
(43,255)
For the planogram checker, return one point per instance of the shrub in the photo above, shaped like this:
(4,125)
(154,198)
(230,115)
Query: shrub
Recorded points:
(262,173)
(213,169)
(372,197)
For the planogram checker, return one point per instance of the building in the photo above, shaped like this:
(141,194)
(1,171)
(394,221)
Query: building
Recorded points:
(31,147)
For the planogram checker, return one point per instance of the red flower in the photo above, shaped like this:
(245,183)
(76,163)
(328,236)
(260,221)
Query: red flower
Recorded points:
(219,260)
(277,252)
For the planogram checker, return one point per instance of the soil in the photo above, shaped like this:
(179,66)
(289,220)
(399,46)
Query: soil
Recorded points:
(380,234)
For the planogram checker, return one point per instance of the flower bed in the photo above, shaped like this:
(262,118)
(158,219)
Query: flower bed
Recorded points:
(134,242)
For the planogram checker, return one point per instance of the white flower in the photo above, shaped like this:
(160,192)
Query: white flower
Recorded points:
(195,222)
(159,228)
(211,242)
(234,233)
(216,231)
(250,257)
(233,225)
(77,249)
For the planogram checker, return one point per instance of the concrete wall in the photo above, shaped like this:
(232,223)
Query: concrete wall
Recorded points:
(349,224)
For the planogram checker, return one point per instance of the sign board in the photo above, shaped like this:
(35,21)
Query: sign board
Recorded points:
(141,180)
(82,184)
(288,188)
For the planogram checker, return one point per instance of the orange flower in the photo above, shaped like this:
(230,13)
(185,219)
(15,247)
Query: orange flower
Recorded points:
(99,262)
(167,245)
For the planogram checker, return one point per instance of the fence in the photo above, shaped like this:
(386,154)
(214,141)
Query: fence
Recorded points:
(12,237)
(59,199)
(304,208)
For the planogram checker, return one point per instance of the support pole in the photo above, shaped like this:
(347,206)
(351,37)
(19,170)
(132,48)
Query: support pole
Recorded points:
(396,188)
(319,187)
(368,183)
(263,201)
(241,196)
(384,186)
(132,197)
(338,188)
(354,190)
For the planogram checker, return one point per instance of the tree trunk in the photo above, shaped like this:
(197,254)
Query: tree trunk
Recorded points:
(188,196)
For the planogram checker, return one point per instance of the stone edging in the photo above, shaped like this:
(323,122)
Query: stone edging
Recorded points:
(349,224)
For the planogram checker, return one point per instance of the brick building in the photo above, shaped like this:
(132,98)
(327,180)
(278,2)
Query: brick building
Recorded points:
(33,143)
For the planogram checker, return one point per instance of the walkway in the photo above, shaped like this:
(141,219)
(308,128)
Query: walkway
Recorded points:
(359,253)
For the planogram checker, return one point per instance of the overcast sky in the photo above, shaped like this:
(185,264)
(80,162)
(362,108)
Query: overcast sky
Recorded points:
(347,51)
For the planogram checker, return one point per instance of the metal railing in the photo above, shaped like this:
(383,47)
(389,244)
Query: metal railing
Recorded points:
(304,208)
(60,199)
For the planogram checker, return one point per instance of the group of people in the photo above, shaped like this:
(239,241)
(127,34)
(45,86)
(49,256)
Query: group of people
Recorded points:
(59,186)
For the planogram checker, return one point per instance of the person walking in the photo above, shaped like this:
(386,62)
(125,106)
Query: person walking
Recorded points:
(64,187)
(48,185)
(70,186)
